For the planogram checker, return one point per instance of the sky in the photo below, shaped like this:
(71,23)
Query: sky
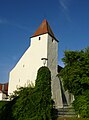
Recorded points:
(19,19)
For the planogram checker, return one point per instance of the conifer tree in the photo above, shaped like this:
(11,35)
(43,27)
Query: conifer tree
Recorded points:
(43,93)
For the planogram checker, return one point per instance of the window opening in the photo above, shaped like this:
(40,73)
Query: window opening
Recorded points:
(39,38)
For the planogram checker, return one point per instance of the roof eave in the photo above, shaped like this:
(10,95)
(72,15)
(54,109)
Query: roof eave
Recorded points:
(43,34)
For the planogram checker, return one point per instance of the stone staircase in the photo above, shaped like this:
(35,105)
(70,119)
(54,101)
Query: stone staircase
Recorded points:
(66,111)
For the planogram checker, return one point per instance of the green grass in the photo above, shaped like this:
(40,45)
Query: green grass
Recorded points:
(73,119)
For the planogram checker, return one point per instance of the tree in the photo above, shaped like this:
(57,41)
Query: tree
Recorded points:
(23,106)
(75,74)
(81,104)
(31,103)
(43,96)
(35,103)
(6,110)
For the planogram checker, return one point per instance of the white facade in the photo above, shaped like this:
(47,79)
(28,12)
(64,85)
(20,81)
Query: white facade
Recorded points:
(52,55)
(2,96)
(25,71)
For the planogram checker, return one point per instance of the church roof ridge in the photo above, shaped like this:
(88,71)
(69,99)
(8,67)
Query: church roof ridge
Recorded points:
(43,28)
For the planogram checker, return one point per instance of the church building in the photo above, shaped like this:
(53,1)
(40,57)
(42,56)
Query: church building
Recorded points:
(43,51)
(3,91)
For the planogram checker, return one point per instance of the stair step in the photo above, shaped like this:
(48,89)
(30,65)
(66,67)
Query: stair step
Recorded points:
(62,116)
(66,112)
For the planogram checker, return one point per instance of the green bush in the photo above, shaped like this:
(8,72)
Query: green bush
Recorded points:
(43,94)
(6,110)
(75,78)
(2,108)
(30,103)
(81,104)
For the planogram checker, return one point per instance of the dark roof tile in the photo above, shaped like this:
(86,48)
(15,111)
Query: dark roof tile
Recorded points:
(43,28)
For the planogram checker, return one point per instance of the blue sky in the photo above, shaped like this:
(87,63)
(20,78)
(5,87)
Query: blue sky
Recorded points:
(69,20)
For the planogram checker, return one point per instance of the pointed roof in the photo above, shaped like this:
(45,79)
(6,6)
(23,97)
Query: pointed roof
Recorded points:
(43,28)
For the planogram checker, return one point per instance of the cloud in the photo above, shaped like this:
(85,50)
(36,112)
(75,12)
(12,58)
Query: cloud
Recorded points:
(19,26)
(64,6)
(11,23)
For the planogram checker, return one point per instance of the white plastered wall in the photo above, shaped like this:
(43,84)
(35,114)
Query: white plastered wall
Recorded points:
(25,71)
(52,65)
(2,96)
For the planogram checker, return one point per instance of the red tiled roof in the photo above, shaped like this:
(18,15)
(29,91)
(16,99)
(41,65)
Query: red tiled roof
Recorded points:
(0,87)
(4,87)
(43,28)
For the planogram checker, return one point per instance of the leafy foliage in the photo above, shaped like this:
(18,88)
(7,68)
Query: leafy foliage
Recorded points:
(31,103)
(43,90)
(23,103)
(75,77)
(2,108)
(81,104)
(5,110)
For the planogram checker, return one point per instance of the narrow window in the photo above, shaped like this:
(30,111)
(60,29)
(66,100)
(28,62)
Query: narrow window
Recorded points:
(52,39)
(39,38)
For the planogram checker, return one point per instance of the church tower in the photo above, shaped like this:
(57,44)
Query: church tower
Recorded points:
(43,50)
